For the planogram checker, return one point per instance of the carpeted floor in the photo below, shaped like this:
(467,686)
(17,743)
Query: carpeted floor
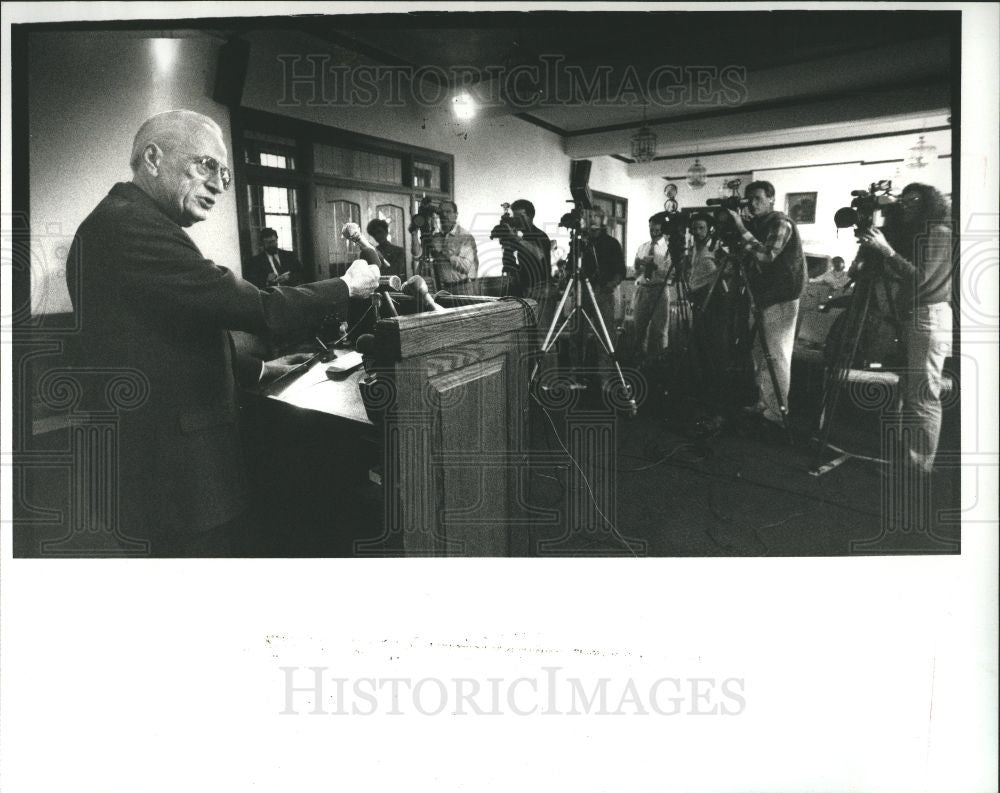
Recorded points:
(602,484)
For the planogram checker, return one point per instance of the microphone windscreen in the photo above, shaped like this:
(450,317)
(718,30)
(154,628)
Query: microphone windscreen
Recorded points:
(415,285)
(350,230)
(365,343)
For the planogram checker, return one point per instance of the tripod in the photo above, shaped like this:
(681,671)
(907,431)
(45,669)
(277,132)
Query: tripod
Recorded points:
(579,286)
(839,373)
(758,329)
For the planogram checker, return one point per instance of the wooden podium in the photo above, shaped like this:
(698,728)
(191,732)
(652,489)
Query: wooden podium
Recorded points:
(446,401)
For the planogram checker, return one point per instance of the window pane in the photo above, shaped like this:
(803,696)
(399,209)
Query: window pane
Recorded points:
(426,175)
(276,208)
(340,249)
(393,215)
(276,200)
(283,225)
(355,164)
(273,160)
(270,151)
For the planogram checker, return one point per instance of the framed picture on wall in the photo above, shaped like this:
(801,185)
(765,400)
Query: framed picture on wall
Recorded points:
(801,207)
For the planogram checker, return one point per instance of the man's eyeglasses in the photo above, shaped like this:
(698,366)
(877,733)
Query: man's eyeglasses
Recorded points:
(209,166)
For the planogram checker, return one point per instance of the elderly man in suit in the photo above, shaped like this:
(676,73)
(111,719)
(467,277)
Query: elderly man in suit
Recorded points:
(274,266)
(149,303)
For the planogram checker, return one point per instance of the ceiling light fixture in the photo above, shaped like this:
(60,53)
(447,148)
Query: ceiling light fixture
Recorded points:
(464,106)
(921,155)
(644,142)
(696,175)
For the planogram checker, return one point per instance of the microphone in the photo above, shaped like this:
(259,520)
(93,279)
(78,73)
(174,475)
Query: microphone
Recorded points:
(352,233)
(389,283)
(415,285)
(365,344)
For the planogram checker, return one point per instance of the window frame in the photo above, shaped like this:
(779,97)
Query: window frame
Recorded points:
(304,177)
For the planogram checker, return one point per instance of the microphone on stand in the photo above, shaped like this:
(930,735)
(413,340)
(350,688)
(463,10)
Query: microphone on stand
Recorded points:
(415,285)
(352,233)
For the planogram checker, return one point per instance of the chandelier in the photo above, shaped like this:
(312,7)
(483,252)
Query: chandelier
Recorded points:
(696,174)
(921,155)
(644,142)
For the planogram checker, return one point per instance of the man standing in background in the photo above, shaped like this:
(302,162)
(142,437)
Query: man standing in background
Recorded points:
(453,252)
(651,306)
(378,230)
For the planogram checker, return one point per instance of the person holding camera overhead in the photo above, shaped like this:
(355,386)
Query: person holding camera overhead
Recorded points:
(777,276)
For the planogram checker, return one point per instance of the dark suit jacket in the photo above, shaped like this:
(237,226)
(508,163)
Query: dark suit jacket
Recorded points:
(150,304)
(259,267)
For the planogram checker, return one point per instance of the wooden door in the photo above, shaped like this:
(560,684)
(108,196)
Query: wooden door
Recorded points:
(339,205)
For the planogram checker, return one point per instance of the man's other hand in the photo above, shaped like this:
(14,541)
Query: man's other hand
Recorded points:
(362,278)
(283,365)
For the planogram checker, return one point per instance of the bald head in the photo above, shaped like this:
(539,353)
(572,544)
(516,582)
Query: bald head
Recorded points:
(179,159)
(169,131)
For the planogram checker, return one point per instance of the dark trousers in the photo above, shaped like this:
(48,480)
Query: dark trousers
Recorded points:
(711,348)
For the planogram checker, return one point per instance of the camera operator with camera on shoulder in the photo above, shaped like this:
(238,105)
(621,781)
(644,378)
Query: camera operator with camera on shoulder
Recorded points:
(448,256)
(527,258)
(775,267)
(916,250)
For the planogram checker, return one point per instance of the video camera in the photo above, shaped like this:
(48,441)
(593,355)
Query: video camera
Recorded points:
(509,227)
(734,201)
(863,209)
(724,226)
(428,217)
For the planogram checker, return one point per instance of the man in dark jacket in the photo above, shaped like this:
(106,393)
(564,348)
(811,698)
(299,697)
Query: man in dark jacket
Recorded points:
(777,276)
(274,266)
(151,307)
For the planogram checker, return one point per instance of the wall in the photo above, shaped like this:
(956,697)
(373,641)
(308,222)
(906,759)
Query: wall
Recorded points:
(89,93)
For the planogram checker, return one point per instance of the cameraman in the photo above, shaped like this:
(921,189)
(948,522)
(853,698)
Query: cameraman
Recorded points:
(916,249)
(776,272)
(528,259)
(710,300)
(651,306)
(449,252)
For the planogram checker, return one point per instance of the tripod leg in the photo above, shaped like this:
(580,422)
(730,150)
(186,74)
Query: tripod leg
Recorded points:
(553,332)
(838,375)
(605,340)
